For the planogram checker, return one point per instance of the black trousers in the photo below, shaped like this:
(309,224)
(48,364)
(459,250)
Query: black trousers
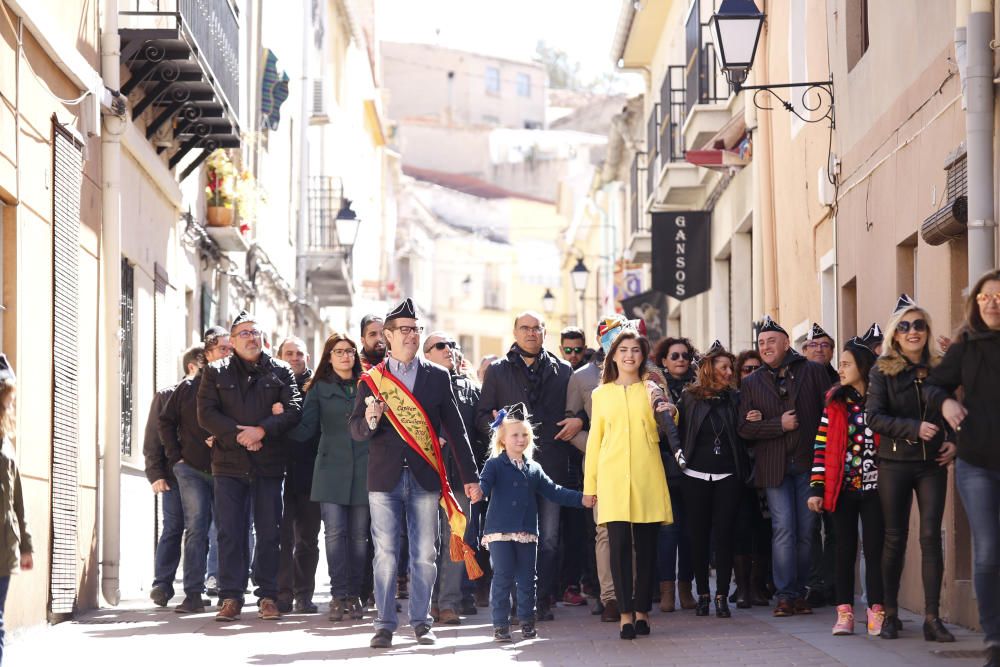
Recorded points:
(633,594)
(897,482)
(712,510)
(822,568)
(850,507)
(299,548)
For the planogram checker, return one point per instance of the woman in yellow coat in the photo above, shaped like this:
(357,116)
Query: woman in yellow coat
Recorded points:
(624,470)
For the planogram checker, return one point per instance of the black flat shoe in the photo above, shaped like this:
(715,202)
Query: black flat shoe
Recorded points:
(890,628)
(702,608)
(627,631)
(992,657)
(642,627)
(722,607)
(934,631)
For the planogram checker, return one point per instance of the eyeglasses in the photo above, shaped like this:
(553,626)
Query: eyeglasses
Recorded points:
(919,326)
(749,368)
(674,356)
(345,352)
(524,329)
(406,331)
(823,346)
(984,298)
(573,350)
(439,346)
(247,334)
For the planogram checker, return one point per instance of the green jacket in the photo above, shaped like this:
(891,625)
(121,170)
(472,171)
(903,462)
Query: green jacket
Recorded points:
(341,472)
(14,536)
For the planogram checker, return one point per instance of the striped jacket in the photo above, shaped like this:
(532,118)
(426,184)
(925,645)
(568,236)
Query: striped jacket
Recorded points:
(830,450)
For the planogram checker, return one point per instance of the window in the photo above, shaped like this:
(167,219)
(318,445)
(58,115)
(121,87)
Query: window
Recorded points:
(523,85)
(856,26)
(492,81)
(533,125)
(491,120)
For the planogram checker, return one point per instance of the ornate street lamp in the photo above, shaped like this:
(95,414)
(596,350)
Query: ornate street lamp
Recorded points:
(736,28)
(467,287)
(548,301)
(348,224)
(579,276)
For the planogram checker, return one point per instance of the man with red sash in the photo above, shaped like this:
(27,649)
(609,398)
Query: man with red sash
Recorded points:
(404,404)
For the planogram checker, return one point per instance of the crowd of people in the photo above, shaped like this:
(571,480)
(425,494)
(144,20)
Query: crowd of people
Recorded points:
(624,475)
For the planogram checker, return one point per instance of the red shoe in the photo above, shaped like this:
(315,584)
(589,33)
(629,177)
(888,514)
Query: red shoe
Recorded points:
(573,598)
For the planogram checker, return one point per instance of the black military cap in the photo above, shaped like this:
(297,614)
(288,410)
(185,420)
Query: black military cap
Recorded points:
(767,324)
(404,310)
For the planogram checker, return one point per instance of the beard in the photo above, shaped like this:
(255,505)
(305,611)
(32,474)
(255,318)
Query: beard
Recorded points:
(375,355)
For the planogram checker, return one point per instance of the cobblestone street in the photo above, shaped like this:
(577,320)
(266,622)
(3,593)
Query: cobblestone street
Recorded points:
(148,637)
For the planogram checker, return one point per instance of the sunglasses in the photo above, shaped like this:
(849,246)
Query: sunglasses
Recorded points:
(441,345)
(984,298)
(749,368)
(919,326)
(572,350)
(674,356)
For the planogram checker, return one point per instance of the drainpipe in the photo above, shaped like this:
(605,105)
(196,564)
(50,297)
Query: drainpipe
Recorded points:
(764,254)
(979,139)
(303,222)
(111,252)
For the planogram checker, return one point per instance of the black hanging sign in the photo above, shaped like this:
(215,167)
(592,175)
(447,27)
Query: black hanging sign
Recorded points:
(682,265)
(651,308)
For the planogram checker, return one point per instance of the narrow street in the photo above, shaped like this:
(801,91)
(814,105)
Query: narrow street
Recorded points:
(140,635)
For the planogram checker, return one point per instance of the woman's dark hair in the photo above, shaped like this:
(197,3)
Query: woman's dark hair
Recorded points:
(741,359)
(973,319)
(661,348)
(864,362)
(324,370)
(708,384)
(610,371)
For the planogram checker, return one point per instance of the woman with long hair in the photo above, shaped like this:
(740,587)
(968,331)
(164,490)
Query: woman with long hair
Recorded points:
(716,466)
(914,452)
(624,469)
(340,477)
(973,363)
(844,482)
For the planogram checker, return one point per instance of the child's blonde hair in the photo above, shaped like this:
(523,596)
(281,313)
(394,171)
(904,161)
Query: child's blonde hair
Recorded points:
(496,442)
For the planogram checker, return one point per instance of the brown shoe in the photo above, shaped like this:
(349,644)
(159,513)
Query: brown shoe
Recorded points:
(784,608)
(667,593)
(610,613)
(267,610)
(230,611)
(448,617)
(803,607)
(685,595)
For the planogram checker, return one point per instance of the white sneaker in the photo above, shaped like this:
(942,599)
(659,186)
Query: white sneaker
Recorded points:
(212,586)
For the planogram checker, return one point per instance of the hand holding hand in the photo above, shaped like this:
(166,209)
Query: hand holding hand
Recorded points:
(161,486)
(589,501)
(947,454)
(474,492)
(665,406)
(754,416)
(250,435)
(954,412)
(570,427)
(815,504)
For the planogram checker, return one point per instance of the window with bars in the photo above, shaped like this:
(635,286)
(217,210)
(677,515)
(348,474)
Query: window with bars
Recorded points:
(128,350)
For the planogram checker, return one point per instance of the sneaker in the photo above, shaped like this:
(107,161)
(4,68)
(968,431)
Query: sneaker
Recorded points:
(382,639)
(267,610)
(502,634)
(845,620)
(357,609)
(230,611)
(192,604)
(573,598)
(336,610)
(425,636)
(304,606)
(876,616)
(528,631)
(159,596)
(212,586)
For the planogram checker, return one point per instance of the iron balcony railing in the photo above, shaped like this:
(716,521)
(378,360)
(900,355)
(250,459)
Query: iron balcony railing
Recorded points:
(210,26)
(326,197)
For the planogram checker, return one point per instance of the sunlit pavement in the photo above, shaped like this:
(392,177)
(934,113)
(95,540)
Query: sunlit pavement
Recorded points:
(142,636)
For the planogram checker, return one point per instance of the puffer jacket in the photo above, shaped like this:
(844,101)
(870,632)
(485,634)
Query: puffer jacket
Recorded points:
(895,407)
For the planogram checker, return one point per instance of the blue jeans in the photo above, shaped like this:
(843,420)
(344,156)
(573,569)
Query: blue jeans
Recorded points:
(419,507)
(512,562)
(791,543)
(196,497)
(4,587)
(980,492)
(234,498)
(549,514)
(168,548)
(448,590)
(346,528)
(674,546)
(212,564)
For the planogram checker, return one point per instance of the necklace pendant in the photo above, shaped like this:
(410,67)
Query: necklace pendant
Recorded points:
(717,450)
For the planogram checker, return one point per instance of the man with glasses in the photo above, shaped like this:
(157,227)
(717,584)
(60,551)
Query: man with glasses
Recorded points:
(789,392)
(418,397)
(529,374)
(573,346)
(235,402)
(819,347)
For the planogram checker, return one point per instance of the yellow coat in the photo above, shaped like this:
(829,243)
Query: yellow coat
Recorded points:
(623,467)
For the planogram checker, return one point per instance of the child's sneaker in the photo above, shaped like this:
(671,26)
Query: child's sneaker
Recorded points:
(528,631)
(876,616)
(501,634)
(845,620)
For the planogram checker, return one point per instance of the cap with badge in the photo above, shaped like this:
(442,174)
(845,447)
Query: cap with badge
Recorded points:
(858,347)
(243,318)
(874,336)
(904,303)
(817,332)
(404,310)
(768,325)
(516,412)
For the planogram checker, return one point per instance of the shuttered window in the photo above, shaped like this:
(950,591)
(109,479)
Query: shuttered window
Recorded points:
(67,182)
(128,353)
(165,372)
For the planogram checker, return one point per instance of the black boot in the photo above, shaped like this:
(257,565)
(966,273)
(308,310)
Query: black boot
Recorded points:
(992,657)
(759,595)
(934,631)
(741,568)
(891,627)
(722,607)
(702,609)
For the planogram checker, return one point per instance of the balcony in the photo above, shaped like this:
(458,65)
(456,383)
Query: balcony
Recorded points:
(327,259)
(183,57)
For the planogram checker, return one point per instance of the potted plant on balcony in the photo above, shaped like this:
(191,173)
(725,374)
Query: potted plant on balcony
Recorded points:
(220,192)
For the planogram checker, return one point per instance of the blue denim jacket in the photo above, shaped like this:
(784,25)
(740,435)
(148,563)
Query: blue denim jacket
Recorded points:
(513,507)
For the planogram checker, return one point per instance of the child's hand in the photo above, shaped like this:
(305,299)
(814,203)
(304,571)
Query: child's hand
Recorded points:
(27,562)
(589,501)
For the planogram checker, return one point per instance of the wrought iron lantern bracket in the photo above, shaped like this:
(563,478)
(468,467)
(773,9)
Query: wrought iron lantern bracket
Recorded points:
(816,96)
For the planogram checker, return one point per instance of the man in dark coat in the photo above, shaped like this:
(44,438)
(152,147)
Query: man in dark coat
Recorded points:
(529,374)
(789,392)
(301,518)
(235,402)
(401,483)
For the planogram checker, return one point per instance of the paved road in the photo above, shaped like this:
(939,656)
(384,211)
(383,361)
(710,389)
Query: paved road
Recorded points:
(140,636)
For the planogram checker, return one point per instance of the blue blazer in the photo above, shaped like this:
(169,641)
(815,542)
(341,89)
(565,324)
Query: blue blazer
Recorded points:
(513,507)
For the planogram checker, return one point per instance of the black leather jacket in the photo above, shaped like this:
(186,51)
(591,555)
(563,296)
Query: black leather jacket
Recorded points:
(896,406)
(693,411)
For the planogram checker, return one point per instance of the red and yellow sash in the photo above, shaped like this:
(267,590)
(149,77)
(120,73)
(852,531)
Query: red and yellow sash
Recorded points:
(407,416)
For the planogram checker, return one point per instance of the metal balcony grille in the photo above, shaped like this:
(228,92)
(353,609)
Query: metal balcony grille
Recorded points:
(326,197)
